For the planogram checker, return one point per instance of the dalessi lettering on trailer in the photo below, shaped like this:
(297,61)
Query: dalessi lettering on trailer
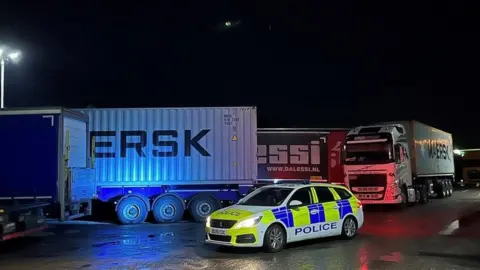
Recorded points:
(166,143)
(289,154)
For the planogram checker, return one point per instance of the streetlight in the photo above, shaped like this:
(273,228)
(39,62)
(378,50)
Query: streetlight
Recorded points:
(6,55)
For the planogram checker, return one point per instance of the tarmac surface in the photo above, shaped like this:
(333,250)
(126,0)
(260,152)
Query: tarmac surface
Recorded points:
(441,235)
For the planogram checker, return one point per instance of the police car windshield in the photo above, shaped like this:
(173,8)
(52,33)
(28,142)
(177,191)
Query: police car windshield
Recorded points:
(272,196)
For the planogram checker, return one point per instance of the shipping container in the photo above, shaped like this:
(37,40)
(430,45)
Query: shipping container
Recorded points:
(400,162)
(45,156)
(294,154)
(173,159)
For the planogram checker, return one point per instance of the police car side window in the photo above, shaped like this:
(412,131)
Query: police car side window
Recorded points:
(304,195)
(344,195)
(324,194)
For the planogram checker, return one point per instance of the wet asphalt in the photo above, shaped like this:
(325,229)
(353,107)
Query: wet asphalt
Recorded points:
(440,235)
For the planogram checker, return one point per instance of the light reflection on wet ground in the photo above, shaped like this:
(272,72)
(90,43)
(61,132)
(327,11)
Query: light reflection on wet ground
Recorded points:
(396,240)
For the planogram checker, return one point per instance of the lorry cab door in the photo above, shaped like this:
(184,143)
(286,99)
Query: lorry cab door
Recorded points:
(330,222)
(301,215)
(402,165)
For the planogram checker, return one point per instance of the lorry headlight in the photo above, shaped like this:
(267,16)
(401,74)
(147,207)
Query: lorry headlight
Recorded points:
(247,223)
(207,223)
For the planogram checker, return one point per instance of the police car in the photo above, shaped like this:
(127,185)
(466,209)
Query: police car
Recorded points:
(275,215)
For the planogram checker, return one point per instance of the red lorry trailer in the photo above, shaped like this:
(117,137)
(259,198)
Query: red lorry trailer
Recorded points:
(294,154)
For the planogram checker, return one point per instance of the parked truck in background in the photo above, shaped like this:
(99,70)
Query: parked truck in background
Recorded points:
(467,164)
(171,160)
(398,163)
(294,154)
(44,170)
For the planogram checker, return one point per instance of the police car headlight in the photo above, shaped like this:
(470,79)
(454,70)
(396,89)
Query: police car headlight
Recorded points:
(247,223)
(207,223)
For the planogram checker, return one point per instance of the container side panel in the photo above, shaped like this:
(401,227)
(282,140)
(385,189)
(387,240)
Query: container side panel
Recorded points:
(29,164)
(151,147)
(75,142)
(434,150)
(292,156)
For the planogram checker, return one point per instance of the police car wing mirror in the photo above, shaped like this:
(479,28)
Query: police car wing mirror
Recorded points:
(295,203)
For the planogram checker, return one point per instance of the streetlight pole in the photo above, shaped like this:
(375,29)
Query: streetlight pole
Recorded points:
(2,82)
(3,62)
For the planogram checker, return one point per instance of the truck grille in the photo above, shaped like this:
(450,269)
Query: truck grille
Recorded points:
(222,223)
(369,180)
(367,183)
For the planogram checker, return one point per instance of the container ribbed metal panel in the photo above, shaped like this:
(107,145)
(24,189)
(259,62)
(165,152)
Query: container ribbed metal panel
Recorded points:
(230,142)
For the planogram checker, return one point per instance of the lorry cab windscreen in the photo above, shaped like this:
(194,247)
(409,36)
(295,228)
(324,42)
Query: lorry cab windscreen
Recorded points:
(368,153)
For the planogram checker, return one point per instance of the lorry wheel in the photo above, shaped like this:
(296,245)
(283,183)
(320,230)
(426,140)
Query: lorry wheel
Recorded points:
(447,188)
(443,190)
(445,184)
(132,210)
(275,238)
(424,194)
(450,187)
(168,209)
(203,206)
(404,196)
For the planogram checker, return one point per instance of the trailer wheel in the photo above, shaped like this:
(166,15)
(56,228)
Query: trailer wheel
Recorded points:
(132,210)
(450,188)
(442,190)
(168,209)
(203,206)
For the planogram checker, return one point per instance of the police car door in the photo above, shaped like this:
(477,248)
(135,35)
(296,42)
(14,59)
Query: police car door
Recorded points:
(300,215)
(329,214)
(343,201)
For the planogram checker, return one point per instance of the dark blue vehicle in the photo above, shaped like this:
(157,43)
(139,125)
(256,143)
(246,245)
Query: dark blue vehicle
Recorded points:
(44,167)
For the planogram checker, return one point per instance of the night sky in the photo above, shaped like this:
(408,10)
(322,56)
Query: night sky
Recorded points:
(323,64)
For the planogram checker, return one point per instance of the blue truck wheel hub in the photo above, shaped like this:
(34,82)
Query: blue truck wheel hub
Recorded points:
(204,208)
(131,211)
(168,210)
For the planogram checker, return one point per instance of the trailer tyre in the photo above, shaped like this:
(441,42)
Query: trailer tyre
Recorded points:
(132,210)
(442,190)
(450,188)
(168,209)
(203,206)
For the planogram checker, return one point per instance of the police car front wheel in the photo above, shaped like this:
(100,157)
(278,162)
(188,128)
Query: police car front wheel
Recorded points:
(349,228)
(275,238)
